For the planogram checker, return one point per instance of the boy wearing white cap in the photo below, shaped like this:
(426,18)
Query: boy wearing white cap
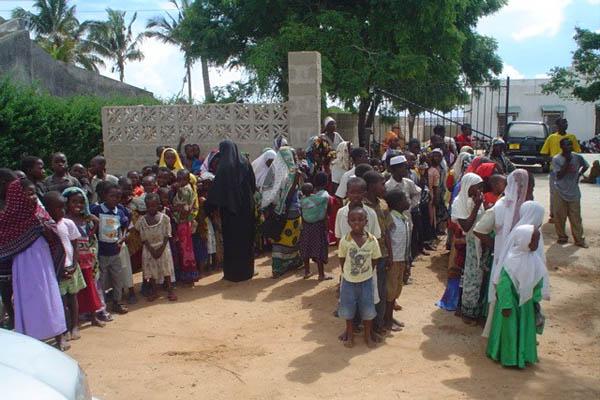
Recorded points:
(400,180)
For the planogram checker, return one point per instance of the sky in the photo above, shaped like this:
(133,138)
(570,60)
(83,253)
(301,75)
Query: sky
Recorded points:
(533,36)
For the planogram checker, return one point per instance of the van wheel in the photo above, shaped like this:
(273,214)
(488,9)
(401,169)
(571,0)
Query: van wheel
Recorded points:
(546,167)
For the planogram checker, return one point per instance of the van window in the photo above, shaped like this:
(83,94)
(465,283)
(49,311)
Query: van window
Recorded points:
(527,130)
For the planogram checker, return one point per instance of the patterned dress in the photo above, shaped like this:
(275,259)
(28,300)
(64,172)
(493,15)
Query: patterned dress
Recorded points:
(161,267)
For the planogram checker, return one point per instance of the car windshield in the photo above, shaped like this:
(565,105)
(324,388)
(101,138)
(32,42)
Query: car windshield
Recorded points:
(527,130)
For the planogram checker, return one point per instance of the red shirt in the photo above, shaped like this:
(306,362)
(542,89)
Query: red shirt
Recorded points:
(463,140)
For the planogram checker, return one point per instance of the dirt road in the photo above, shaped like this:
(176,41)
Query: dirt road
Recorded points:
(277,339)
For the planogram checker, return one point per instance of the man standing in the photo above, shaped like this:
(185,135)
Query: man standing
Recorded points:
(568,167)
(552,147)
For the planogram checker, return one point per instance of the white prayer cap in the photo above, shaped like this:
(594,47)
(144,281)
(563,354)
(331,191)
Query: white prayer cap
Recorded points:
(397,160)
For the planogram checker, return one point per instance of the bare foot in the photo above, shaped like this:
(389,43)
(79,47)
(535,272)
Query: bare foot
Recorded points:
(75,335)
(469,321)
(397,307)
(152,297)
(343,337)
(370,344)
(349,343)
(307,276)
(325,278)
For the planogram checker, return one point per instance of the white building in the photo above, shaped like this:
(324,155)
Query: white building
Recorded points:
(528,103)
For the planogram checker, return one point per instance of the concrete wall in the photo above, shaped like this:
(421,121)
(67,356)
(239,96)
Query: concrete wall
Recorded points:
(23,60)
(527,94)
(131,134)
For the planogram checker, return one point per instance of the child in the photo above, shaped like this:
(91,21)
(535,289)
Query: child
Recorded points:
(127,261)
(357,188)
(313,237)
(214,242)
(155,231)
(79,172)
(98,173)
(400,248)
(165,207)
(357,252)
(111,235)
(78,211)
(374,199)
(60,178)
(185,211)
(136,186)
(164,177)
(519,285)
(200,236)
(71,280)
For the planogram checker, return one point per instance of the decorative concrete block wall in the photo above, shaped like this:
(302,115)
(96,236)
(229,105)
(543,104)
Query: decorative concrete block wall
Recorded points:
(131,134)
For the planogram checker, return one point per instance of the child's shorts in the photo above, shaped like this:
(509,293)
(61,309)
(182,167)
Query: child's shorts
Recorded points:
(395,280)
(357,296)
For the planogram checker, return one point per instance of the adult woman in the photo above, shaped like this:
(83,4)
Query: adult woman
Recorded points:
(261,165)
(232,192)
(341,163)
(520,282)
(280,196)
(25,239)
(330,134)
(466,210)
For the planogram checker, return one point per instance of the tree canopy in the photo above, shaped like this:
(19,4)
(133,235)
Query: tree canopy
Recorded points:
(582,79)
(425,50)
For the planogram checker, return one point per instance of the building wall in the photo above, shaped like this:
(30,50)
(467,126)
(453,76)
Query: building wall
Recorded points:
(527,94)
(23,60)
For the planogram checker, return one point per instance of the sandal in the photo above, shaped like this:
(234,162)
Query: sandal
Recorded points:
(120,308)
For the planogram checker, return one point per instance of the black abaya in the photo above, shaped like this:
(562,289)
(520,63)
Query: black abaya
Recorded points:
(233,194)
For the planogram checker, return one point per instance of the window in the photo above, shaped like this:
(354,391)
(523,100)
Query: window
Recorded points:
(502,121)
(550,118)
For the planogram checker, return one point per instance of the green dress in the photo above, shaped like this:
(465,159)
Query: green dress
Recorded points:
(512,339)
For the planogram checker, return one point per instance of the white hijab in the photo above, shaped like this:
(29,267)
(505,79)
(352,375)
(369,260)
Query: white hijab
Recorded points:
(260,167)
(341,164)
(525,267)
(460,165)
(463,204)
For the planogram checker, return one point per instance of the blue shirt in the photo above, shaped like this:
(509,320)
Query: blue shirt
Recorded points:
(112,224)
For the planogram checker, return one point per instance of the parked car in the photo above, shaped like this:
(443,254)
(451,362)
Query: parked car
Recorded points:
(524,140)
(31,369)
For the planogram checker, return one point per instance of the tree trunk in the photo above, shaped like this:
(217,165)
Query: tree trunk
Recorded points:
(206,80)
(411,124)
(363,109)
(189,82)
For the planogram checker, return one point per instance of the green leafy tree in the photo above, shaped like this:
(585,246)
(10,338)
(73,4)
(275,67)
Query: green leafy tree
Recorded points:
(113,39)
(166,30)
(427,51)
(58,31)
(582,79)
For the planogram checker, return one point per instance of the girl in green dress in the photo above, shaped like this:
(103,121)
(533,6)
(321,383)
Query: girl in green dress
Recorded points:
(521,283)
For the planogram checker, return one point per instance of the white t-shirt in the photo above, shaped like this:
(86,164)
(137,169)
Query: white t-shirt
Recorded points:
(67,231)
(343,186)
(342,227)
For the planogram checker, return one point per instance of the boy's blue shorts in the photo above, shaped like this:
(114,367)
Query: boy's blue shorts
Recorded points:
(355,296)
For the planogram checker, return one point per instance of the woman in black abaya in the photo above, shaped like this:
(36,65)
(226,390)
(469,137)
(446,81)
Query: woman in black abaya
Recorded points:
(232,193)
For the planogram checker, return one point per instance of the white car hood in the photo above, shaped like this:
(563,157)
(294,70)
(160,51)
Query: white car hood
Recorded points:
(27,364)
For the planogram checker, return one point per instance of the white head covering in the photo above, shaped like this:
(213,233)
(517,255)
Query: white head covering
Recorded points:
(327,121)
(463,204)
(460,165)
(525,267)
(531,214)
(341,163)
(260,167)
(397,160)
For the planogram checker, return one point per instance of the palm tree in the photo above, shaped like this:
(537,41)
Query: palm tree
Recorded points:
(166,31)
(113,39)
(58,31)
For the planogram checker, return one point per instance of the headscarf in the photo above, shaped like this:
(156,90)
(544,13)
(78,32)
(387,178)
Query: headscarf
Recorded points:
(486,170)
(178,164)
(463,204)
(208,160)
(226,190)
(279,142)
(462,162)
(19,225)
(326,122)
(475,164)
(525,267)
(341,163)
(71,191)
(467,149)
(516,249)
(279,181)
(496,141)
(260,167)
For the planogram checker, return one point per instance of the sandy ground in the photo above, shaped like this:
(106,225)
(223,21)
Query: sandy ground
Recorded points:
(277,339)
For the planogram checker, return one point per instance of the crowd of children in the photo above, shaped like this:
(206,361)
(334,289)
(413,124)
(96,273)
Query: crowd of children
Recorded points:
(92,231)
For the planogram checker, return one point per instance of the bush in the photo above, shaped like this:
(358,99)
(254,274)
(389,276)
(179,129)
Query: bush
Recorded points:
(33,122)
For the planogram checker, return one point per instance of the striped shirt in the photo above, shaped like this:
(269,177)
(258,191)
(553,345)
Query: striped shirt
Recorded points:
(400,237)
